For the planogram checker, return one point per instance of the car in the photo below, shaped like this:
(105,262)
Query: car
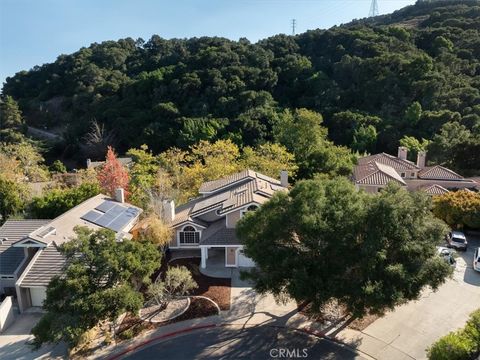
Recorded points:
(457,240)
(447,255)
(476,260)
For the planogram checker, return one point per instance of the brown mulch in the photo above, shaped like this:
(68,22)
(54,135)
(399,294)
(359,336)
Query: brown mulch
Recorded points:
(217,289)
(198,308)
(362,323)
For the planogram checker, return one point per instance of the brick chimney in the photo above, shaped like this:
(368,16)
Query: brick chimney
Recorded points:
(284,178)
(421,159)
(168,210)
(402,152)
(120,195)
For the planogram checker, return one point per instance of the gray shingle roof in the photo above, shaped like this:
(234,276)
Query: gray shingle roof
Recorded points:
(50,262)
(10,232)
(223,236)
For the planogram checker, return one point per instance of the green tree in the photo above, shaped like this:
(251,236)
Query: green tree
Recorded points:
(57,201)
(97,286)
(444,145)
(325,240)
(414,146)
(268,159)
(30,161)
(458,208)
(12,124)
(178,282)
(142,174)
(58,167)
(303,135)
(13,197)
(364,139)
(413,113)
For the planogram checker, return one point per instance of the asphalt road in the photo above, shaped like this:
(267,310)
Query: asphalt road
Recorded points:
(256,343)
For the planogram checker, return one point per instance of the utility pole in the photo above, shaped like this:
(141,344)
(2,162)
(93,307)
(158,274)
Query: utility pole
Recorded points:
(294,25)
(373,9)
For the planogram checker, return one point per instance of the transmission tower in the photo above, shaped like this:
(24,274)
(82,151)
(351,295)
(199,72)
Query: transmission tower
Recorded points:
(373,9)
(294,25)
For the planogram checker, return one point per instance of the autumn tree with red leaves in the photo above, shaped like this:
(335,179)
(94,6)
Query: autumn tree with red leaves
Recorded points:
(113,174)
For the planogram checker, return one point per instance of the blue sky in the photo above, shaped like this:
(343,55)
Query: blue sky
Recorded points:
(33,32)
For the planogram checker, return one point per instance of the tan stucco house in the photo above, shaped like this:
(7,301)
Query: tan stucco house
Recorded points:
(374,172)
(29,254)
(207,223)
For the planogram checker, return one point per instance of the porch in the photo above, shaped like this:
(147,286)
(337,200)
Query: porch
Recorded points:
(215,263)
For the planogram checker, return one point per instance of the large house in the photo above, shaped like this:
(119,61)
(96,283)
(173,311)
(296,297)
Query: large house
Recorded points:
(207,223)
(374,172)
(29,254)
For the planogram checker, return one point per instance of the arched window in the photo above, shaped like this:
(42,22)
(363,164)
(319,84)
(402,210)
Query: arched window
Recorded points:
(252,207)
(189,235)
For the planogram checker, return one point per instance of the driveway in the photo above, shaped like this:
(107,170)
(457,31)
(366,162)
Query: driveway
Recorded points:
(14,341)
(248,307)
(227,342)
(413,327)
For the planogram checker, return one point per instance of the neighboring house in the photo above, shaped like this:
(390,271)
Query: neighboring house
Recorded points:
(374,172)
(208,222)
(125,161)
(30,256)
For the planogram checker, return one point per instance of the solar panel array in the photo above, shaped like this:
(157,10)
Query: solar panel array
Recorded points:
(111,216)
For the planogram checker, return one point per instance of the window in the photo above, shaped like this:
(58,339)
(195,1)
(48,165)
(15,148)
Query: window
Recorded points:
(402,175)
(189,235)
(247,209)
(412,175)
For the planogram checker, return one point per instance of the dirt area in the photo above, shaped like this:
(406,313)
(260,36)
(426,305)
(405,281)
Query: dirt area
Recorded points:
(198,308)
(216,289)
(333,312)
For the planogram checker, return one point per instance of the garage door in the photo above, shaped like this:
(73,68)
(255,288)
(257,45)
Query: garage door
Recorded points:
(244,261)
(38,295)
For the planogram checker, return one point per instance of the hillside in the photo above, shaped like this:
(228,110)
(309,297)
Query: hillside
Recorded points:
(415,72)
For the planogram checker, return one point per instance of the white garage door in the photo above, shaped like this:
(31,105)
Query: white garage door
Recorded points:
(244,261)
(38,295)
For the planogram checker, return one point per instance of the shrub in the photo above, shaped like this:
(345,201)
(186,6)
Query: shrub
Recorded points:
(463,344)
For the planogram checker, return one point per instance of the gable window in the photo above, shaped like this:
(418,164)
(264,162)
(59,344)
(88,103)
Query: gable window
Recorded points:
(189,235)
(247,209)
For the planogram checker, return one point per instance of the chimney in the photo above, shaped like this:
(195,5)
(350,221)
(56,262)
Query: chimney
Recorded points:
(284,178)
(421,158)
(89,163)
(168,210)
(120,195)
(402,152)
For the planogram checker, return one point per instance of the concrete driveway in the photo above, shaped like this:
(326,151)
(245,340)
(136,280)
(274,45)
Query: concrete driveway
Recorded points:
(14,341)
(249,307)
(413,327)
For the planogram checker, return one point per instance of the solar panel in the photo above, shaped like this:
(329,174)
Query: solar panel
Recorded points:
(105,206)
(92,216)
(105,219)
(117,210)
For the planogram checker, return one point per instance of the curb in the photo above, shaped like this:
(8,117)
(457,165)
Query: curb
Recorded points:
(156,338)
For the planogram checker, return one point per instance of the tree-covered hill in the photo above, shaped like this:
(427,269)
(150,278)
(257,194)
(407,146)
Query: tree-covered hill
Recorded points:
(410,75)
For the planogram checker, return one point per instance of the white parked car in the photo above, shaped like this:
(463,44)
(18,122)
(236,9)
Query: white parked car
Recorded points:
(457,240)
(476,259)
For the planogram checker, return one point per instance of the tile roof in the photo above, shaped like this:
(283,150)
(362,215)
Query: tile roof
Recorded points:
(435,189)
(255,188)
(390,160)
(10,232)
(46,264)
(215,185)
(125,161)
(438,172)
(374,173)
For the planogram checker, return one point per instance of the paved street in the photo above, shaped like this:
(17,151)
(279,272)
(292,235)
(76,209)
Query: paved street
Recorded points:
(251,343)
(411,328)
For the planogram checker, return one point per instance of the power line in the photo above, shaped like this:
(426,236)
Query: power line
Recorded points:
(373,9)
(294,26)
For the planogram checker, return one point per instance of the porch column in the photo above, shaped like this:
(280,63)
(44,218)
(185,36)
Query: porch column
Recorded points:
(206,253)
(203,252)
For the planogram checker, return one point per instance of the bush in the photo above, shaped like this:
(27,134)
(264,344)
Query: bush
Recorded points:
(463,344)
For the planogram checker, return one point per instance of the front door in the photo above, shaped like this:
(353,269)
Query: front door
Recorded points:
(231,256)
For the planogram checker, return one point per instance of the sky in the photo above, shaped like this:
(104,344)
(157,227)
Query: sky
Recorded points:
(34,32)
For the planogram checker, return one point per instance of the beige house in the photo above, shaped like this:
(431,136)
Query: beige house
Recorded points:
(29,253)
(374,172)
(207,224)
